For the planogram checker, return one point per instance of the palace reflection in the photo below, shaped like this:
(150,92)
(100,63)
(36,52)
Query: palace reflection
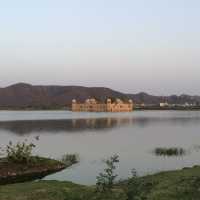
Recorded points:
(24,127)
(69,125)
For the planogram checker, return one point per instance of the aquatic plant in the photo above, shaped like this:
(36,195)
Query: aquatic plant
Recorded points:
(173,151)
(69,159)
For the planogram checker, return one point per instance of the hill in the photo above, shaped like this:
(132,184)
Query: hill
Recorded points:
(22,95)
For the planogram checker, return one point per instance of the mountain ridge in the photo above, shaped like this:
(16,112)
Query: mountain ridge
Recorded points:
(27,95)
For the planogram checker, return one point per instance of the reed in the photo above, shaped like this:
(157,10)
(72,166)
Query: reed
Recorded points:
(173,151)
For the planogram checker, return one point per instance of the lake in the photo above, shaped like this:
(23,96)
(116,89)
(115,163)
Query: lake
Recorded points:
(96,136)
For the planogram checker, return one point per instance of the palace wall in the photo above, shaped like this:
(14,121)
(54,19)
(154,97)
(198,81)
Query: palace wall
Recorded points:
(91,105)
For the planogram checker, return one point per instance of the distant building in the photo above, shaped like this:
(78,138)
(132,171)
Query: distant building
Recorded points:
(91,105)
(165,104)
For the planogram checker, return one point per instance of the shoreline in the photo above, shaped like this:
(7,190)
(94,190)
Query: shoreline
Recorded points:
(177,184)
(20,172)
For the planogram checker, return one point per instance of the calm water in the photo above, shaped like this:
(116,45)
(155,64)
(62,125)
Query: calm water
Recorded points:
(95,136)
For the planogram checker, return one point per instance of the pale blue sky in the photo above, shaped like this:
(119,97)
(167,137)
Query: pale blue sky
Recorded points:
(128,45)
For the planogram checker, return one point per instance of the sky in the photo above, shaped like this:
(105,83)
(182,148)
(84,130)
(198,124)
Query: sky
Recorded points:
(127,45)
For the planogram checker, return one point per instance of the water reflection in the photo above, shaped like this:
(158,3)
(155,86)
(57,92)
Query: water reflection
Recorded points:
(23,127)
(55,126)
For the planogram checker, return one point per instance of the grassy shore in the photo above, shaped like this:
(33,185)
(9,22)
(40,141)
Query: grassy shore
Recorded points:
(172,185)
(19,172)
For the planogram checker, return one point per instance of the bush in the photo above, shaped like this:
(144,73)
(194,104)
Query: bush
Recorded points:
(20,152)
(69,159)
(105,181)
(132,187)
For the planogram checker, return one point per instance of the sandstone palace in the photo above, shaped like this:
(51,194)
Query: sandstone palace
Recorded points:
(91,105)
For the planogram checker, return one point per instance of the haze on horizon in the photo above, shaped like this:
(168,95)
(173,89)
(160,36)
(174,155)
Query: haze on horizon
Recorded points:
(129,45)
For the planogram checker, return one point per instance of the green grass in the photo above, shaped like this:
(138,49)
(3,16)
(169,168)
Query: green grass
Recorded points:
(172,185)
(41,190)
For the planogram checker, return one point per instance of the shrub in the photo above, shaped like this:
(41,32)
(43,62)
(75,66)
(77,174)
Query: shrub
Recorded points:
(132,186)
(105,181)
(20,152)
(69,159)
